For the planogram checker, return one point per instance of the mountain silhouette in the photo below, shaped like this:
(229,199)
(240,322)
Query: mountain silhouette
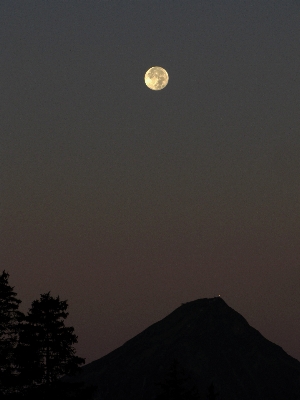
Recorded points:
(214,345)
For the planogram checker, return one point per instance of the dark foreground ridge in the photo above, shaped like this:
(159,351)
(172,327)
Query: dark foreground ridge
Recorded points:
(213,343)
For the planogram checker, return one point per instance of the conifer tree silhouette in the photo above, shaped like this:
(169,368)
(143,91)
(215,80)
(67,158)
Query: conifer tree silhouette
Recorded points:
(211,392)
(45,352)
(177,385)
(10,317)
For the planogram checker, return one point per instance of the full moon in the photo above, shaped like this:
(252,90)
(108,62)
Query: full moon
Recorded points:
(156,78)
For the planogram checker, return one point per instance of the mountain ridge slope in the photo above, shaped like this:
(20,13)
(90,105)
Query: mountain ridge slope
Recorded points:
(213,343)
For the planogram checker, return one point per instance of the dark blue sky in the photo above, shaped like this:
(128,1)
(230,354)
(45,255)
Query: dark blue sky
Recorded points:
(129,202)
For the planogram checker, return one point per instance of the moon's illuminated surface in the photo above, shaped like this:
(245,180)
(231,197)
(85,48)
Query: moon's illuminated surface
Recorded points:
(156,78)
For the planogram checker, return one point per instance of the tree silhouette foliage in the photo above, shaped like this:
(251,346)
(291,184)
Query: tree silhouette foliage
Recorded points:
(37,350)
(211,392)
(177,385)
(45,351)
(10,318)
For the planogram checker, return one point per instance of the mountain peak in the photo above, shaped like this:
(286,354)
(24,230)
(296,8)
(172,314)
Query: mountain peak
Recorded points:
(213,343)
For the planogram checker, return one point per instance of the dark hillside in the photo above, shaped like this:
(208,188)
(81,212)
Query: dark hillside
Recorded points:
(213,343)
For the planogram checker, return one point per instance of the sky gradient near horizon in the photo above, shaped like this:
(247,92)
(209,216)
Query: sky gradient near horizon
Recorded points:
(128,202)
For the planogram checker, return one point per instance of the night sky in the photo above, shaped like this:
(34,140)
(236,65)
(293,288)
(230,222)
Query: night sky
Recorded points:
(128,202)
